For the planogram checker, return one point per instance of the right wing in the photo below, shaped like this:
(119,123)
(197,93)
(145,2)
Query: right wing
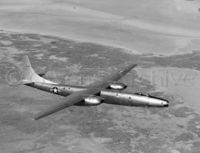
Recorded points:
(67,102)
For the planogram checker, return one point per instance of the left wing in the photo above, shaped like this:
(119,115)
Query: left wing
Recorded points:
(77,97)
(113,77)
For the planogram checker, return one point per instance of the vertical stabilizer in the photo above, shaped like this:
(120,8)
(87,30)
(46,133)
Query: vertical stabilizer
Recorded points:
(29,75)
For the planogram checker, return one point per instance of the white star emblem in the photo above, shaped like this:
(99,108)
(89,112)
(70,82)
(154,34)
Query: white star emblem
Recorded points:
(55,90)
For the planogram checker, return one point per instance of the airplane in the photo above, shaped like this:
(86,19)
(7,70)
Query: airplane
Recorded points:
(107,90)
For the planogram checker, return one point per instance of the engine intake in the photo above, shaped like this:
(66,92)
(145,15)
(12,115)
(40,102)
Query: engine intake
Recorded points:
(117,86)
(93,100)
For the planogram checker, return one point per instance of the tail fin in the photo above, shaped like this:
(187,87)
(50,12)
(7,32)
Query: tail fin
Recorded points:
(29,75)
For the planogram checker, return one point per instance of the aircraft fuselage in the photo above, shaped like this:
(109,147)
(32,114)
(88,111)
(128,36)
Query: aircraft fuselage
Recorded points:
(110,96)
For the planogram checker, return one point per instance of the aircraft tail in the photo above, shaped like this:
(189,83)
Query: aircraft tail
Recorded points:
(29,75)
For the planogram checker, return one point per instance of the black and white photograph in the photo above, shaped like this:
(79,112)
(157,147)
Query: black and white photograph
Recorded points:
(108,76)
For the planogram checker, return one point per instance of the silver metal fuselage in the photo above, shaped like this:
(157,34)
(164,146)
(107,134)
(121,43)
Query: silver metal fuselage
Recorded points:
(110,96)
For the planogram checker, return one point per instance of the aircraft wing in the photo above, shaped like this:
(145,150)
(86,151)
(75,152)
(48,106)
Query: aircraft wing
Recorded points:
(112,78)
(77,97)
(66,102)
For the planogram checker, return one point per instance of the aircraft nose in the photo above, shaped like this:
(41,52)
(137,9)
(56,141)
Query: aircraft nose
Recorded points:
(166,103)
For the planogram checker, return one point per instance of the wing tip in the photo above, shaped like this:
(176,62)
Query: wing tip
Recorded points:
(131,66)
(37,117)
(134,65)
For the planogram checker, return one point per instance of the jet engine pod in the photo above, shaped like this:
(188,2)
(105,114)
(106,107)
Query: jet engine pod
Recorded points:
(93,100)
(117,86)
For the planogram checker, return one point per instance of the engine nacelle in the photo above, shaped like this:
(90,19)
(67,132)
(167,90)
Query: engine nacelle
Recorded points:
(93,100)
(117,86)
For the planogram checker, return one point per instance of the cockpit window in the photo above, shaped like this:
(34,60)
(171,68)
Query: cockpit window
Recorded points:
(141,94)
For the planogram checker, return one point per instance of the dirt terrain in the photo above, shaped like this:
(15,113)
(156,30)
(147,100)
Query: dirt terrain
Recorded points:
(78,42)
(104,128)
